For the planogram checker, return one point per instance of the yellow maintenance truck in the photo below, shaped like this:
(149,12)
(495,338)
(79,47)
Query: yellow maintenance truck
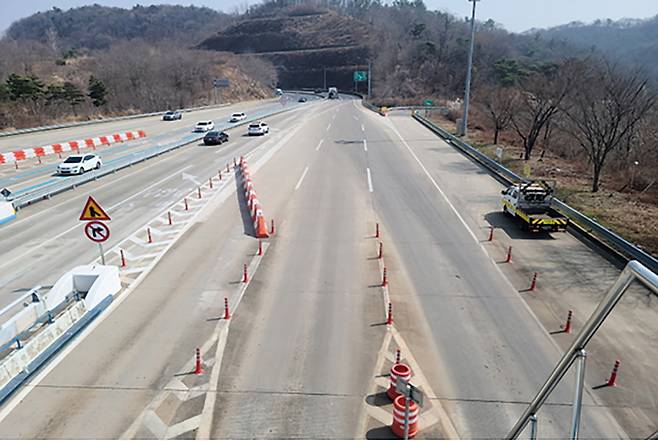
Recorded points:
(530,205)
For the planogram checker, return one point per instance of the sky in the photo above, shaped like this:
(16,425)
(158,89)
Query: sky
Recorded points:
(514,15)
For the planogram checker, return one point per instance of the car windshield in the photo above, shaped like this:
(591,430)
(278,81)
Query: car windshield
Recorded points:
(73,159)
(236,115)
(212,134)
(169,113)
(254,126)
(203,123)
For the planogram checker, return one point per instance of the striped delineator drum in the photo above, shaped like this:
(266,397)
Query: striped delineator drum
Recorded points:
(398,417)
(397,370)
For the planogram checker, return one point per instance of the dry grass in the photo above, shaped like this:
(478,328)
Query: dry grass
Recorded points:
(631,214)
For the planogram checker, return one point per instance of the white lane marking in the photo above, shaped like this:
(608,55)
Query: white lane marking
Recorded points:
(328,126)
(319,145)
(363,129)
(77,225)
(434,183)
(355,118)
(369,180)
(365,145)
(299,183)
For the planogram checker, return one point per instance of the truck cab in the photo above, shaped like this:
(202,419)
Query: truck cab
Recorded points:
(333,93)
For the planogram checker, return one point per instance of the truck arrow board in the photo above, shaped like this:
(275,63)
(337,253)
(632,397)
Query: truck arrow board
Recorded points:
(93,211)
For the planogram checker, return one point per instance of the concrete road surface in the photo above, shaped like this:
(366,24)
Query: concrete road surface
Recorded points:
(301,351)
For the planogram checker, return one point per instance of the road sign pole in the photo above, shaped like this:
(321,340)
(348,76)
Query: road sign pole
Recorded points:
(100,248)
(406,417)
(369,74)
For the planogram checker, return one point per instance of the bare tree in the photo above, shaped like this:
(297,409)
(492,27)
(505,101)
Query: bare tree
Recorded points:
(498,104)
(604,110)
(540,97)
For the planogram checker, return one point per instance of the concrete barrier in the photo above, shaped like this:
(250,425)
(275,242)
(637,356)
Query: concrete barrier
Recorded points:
(7,212)
(85,292)
(69,146)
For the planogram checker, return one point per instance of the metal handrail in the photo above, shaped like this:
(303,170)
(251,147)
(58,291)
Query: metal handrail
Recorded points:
(508,176)
(634,270)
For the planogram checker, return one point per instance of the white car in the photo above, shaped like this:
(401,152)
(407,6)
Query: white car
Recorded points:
(204,126)
(78,164)
(238,116)
(258,128)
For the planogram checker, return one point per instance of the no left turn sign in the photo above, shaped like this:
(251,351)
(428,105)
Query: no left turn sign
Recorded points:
(97,231)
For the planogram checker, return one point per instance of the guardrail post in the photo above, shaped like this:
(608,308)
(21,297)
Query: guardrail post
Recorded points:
(533,426)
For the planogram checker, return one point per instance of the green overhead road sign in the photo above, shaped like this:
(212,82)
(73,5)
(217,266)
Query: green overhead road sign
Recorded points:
(428,103)
(360,75)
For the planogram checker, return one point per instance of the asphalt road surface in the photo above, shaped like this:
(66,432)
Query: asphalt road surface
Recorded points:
(299,358)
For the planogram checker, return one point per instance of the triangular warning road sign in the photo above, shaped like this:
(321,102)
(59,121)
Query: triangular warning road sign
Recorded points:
(93,212)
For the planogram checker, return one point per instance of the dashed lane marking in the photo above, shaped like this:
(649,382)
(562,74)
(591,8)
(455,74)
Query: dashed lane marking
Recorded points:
(301,179)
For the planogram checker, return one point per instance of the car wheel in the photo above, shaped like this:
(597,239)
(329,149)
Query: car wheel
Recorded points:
(98,165)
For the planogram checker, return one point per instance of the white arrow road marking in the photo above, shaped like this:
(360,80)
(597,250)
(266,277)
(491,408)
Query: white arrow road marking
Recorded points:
(188,177)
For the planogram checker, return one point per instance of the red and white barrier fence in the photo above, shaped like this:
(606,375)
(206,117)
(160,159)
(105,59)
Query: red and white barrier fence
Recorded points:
(256,212)
(70,146)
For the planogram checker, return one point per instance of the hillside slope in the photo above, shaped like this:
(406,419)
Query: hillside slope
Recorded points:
(98,27)
(632,41)
(301,46)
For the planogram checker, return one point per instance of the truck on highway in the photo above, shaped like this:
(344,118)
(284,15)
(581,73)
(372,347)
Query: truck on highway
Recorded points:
(529,203)
(333,93)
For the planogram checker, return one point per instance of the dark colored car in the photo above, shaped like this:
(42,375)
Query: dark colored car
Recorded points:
(214,138)
(302,99)
(171,115)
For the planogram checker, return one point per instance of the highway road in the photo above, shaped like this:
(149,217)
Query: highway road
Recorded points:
(34,174)
(301,354)
(44,232)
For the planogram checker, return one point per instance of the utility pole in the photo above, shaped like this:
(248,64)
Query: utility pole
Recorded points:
(369,75)
(467,92)
(325,78)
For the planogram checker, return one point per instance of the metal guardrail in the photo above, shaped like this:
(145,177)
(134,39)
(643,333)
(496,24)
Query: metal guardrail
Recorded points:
(588,225)
(104,120)
(48,191)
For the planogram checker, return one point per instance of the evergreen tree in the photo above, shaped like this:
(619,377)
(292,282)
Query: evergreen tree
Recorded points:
(97,91)
(72,94)
(24,87)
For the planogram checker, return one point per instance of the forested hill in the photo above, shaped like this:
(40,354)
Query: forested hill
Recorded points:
(98,27)
(631,41)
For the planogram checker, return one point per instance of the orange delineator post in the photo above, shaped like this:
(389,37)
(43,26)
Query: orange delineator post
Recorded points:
(567,326)
(198,369)
(227,313)
(612,381)
(389,316)
(260,247)
(508,259)
(245,275)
